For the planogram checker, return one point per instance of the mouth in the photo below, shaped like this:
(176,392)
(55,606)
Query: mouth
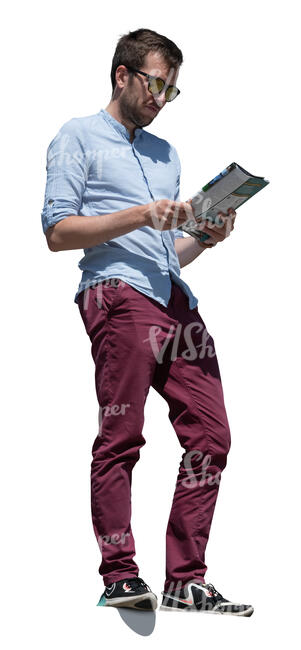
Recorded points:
(152,108)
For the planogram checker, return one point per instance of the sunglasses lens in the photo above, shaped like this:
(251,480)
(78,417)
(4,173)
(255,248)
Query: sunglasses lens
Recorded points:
(171,93)
(156,86)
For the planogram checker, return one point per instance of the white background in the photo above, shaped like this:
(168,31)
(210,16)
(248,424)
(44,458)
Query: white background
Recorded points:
(239,102)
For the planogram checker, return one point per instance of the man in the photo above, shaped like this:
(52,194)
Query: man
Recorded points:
(112,189)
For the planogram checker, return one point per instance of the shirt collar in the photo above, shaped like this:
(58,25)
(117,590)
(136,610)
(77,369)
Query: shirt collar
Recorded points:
(118,126)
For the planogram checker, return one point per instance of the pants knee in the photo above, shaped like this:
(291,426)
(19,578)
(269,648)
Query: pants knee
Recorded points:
(210,454)
(224,448)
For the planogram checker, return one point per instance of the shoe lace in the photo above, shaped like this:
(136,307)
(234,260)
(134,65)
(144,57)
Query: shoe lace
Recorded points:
(137,582)
(216,594)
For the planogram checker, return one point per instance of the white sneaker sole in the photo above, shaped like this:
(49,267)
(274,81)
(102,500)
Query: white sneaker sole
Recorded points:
(247,612)
(131,601)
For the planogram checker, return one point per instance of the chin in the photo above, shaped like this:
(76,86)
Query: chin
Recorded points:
(143,123)
(148,120)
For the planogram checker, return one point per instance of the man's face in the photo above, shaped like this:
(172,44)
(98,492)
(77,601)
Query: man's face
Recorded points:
(136,102)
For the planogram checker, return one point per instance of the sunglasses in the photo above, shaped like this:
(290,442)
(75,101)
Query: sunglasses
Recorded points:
(156,85)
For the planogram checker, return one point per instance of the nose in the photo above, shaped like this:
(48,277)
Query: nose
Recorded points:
(160,98)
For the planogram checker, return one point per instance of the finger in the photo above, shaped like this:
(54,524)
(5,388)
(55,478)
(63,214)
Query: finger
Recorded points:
(227,222)
(187,211)
(219,230)
(226,228)
(230,212)
(184,206)
(229,215)
(208,244)
(181,207)
(214,230)
(181,215)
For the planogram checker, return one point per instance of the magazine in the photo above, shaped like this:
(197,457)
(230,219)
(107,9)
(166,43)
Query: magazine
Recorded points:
(229,189)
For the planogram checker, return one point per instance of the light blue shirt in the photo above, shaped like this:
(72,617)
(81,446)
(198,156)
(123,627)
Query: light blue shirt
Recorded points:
(93,168)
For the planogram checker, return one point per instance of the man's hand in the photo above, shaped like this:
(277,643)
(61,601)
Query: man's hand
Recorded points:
(166,214)
(217,231)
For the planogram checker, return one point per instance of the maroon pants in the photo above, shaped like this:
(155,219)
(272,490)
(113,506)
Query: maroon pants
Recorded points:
(138,343)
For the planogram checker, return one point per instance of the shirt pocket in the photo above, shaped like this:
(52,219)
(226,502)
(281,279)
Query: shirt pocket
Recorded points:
(163,179)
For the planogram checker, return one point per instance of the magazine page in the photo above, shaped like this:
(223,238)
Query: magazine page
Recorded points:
(230,189)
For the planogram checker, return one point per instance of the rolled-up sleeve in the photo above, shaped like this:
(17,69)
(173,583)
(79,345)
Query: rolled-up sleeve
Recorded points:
(177,232)
(66,175)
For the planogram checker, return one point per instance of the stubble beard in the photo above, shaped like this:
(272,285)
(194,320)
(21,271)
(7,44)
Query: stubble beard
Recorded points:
(129,111)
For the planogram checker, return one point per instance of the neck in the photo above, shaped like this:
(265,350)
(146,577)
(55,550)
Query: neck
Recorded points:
(114,110)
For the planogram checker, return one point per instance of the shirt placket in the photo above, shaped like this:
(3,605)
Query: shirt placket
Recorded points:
(162,233)
(126,136)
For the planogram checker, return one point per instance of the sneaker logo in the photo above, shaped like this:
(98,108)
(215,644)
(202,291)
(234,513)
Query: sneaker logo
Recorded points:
(109,590)
(126,587)
(190,600)
(187,601)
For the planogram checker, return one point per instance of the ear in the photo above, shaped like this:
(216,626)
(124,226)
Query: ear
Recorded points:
(121,76)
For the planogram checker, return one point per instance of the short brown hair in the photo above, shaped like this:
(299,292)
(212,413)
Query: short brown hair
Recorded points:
(133,47)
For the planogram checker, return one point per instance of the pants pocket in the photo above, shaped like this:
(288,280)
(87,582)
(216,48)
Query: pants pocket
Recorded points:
(105,293)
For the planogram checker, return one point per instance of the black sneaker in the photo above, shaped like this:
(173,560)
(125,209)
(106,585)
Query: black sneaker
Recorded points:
(203,598)
(129,592)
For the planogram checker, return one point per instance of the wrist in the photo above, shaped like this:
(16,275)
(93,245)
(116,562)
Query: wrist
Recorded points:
(143,215)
